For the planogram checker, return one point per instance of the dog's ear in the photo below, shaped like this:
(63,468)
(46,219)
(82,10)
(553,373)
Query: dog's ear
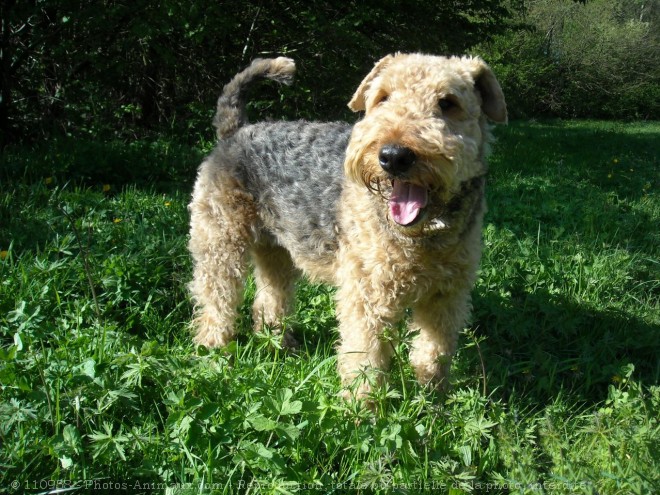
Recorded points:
(492,97)
(359,102)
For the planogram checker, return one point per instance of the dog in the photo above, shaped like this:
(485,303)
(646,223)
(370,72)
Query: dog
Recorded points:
(388,210)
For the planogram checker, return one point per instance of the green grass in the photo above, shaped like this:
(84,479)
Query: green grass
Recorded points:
(555,385)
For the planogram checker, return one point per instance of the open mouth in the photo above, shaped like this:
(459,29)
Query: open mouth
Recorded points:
(407,202)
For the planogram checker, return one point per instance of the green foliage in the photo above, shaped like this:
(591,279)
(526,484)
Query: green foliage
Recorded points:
(581,59)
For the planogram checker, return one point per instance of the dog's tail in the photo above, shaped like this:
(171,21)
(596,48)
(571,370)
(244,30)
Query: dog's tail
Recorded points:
(230,115)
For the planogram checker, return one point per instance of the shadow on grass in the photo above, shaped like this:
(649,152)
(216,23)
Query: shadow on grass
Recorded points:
(614,157)
(160,166)
(77,176)
(566,189)
(543,344)
(593,180)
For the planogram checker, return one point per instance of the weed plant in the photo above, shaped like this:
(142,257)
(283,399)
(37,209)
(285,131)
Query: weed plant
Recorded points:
(554,388)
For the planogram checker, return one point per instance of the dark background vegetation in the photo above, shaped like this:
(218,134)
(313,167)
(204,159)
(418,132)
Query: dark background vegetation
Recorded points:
(144,68)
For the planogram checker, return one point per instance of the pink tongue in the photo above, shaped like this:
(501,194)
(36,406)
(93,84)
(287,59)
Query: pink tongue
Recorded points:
(406,201)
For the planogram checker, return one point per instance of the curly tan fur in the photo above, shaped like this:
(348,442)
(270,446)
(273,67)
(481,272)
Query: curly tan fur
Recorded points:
(297,197)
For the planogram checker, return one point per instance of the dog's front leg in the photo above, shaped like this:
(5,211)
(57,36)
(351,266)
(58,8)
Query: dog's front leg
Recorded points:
(438,319)
(363,355)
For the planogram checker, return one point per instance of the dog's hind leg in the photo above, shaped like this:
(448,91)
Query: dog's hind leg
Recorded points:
(275,277)
(220,237)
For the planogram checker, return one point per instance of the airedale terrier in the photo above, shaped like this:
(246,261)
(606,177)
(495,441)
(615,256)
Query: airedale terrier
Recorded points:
(389,210)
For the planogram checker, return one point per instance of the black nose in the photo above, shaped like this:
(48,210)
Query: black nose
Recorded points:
(396,159)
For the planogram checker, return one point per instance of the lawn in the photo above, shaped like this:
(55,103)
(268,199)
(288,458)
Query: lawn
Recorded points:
(555,388)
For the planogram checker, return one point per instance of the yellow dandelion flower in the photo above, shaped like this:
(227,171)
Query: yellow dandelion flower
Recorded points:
(106,187)
(168,204)
(117,220)
(3,254)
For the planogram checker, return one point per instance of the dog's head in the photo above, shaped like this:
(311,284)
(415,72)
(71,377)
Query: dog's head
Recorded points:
(424,132)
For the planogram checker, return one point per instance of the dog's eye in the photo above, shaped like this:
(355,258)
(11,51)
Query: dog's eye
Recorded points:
(446,104)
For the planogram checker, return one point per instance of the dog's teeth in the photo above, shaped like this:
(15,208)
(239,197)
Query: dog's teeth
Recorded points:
(437,224)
